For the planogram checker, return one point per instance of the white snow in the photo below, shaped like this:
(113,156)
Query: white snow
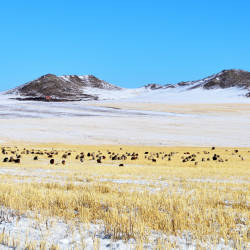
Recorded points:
(178,95)
(84,123)
(87,123)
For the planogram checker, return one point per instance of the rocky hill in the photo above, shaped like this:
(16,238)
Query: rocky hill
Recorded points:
(222,80)
(61,88)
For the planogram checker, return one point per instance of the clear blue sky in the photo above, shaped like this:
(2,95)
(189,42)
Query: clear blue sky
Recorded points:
(128,43)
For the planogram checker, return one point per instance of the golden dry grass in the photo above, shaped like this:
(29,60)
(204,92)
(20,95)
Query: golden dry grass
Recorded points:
(209,200)
(225,108)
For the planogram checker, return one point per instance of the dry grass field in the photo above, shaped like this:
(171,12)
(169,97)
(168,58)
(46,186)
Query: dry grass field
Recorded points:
(188,108)
(140,197)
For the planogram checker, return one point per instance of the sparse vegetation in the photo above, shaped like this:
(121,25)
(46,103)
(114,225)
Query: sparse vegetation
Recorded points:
(207,201)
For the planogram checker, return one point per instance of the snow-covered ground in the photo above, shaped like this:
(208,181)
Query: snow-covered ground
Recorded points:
(224,123)
(32,109)
(26,229)
(176,95)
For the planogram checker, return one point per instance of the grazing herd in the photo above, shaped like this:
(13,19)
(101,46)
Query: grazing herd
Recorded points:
(120,157)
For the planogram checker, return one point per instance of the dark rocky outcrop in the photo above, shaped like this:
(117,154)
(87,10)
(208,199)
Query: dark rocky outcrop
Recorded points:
(230,78)
(153,86)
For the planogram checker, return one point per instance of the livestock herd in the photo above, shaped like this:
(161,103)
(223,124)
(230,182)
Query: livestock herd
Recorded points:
(119,156)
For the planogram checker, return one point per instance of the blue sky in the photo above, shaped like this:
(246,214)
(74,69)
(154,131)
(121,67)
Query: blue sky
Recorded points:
(128,43)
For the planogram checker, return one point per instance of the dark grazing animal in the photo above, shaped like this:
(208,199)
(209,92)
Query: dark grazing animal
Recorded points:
(6,159)
(11,159)
(64,156)
(215,157)
(17,160)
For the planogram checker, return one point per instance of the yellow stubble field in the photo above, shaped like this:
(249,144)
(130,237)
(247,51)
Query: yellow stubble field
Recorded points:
(134,190)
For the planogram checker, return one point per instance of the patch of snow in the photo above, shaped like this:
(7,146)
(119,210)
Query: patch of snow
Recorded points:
(55,231)
(71,235)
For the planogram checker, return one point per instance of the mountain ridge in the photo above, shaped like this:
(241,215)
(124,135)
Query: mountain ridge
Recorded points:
(77,87)
(227,78)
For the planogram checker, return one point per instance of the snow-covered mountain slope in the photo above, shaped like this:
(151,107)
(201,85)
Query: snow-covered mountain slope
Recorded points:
(227,86)
(194,96)
(172,95)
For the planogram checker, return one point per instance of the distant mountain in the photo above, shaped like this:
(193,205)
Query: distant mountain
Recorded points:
(89,87)
(224,79)
(64,88)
